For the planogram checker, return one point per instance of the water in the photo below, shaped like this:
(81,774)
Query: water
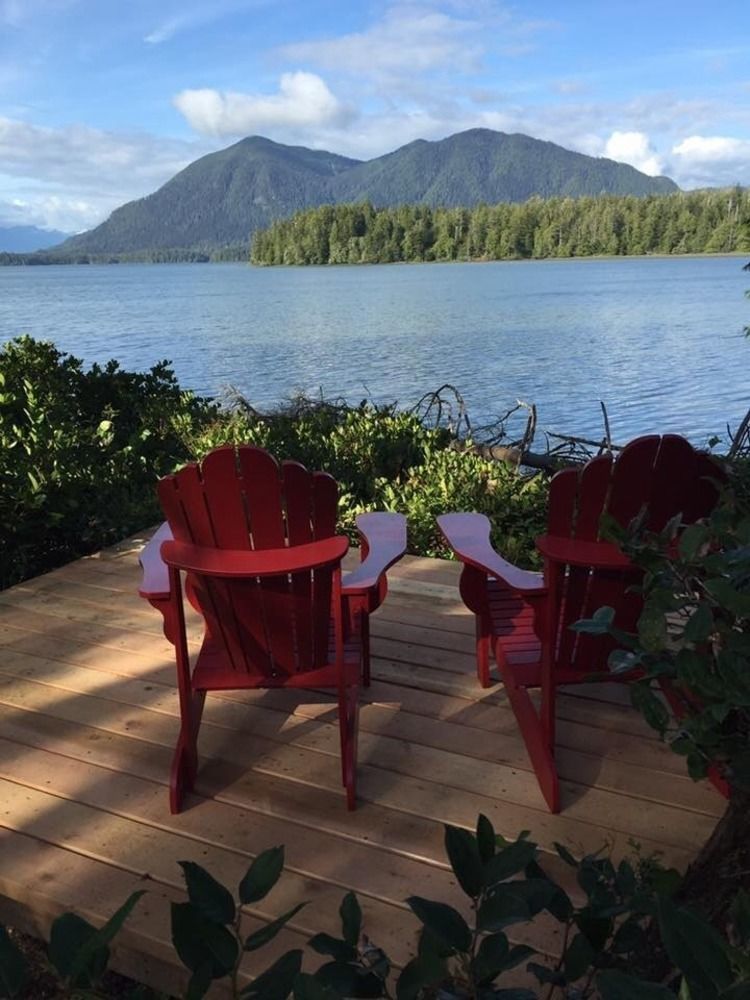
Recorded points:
(659,340)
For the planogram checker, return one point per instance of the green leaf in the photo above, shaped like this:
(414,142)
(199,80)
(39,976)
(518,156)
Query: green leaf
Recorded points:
(349,980)
(325,944)
(697,766)
(509,861)
(495,957)
(695,947)
(445,923)
(514,902)
(700,625)
(652,628)
(578,957)
(485,839)
(199,982)
(351,918)
(424,970)
(277,981)
(86,960)
(622,661)
(545,975)
(200,943)
(13,969)
(692,540)
(517,954)
(490,959)
(599,623)
(615,985)
(463,854)
(740,915)
(262,875)
(68,935)
(650,706)
(269,931)
(565,854)
(211,897)
(307,987)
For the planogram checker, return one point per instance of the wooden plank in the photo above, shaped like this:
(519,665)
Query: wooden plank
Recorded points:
(50,880)
(386,708)
(387,740)
(420,689)
(478,786)
(134,630)
(319,868)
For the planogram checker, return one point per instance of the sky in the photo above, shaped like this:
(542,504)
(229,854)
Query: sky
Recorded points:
(102,101)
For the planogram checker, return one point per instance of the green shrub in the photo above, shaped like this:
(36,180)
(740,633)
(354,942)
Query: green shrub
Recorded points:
(450,480)
(80,453)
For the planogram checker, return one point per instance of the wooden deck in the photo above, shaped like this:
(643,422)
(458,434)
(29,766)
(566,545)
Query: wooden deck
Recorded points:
(88,721)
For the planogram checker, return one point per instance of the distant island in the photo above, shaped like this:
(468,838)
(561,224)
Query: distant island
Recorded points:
(683,223)
(212,208)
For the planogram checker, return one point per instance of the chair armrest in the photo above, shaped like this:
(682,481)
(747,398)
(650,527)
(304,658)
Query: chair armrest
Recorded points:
(254,562)
(575,552)
(155,581)
(384,538)
(469,537)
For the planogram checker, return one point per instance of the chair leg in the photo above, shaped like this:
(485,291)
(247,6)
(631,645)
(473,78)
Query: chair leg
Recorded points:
(539,744)
(185,760)
(483,651)
(364,635)
(348,728)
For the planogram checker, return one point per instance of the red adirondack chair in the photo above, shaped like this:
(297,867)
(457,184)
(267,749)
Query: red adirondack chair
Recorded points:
(525,617)
(262,562)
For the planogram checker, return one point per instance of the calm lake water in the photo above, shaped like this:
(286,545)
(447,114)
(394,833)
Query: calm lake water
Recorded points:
(659,340)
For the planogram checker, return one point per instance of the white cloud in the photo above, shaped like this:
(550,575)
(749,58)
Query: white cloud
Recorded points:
(73,177)
(69,215)
(303,101)
(712,149)
(720,160)
(408,39)
(634,148)
(188,18)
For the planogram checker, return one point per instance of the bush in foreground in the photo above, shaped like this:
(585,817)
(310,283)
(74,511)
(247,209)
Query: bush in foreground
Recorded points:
(81,450)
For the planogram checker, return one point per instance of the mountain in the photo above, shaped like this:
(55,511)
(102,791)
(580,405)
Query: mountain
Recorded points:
(24,239)
(484,166)
(224,197)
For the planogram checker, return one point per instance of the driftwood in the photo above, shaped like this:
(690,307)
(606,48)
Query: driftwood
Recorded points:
(543,461)
(740,446)
(446,408)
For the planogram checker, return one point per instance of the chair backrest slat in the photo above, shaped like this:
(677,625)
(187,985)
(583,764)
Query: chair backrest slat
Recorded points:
(242,499)
(593,489)
(674,477)
(299,525)
(665,476)
(632,476)
(563,491)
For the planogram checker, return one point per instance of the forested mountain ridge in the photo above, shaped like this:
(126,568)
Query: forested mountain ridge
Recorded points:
(219,199)
(716,221)
(224,197)
(485,166)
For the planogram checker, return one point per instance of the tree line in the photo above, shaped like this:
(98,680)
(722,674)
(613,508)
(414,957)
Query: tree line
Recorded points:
(167,255)
(716,221)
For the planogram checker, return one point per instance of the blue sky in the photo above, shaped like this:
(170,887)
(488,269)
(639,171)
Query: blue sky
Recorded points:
(102,101)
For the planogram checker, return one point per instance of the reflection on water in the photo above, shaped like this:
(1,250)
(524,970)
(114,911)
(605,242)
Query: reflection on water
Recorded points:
(659,340)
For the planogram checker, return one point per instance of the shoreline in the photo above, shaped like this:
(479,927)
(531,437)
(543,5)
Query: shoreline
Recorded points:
(739,254)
